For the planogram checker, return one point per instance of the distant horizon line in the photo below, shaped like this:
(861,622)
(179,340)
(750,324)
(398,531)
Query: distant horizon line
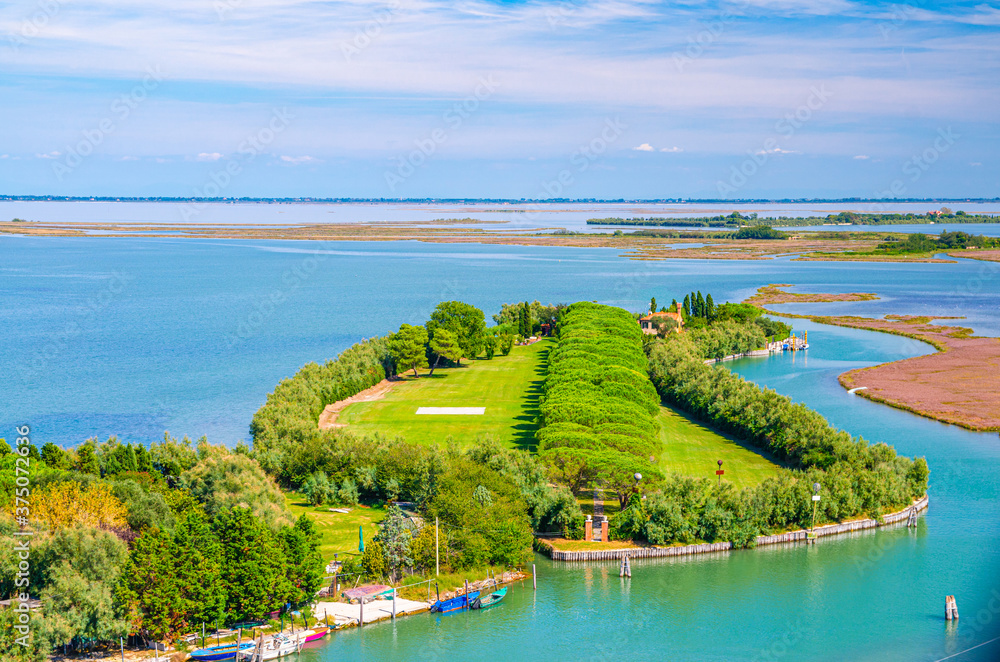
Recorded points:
(454,200)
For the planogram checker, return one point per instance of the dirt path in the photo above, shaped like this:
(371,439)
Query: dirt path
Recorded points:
(328,418)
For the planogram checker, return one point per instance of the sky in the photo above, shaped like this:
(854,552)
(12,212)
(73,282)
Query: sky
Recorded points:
(469,98)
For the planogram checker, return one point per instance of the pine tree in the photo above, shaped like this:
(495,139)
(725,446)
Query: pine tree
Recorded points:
(128,459)
(253,565)
(88,463)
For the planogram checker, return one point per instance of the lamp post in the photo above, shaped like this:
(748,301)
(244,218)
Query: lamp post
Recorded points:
(815,500)
(719,472)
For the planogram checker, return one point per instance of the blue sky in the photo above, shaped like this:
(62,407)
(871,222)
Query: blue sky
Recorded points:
(609,98)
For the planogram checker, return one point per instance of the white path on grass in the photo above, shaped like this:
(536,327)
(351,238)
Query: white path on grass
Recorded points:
(452,411)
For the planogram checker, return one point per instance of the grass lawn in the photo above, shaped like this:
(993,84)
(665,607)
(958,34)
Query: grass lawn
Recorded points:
(692,449)
(508,386)
(339,531)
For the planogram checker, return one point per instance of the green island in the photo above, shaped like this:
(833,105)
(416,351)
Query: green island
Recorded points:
(738,220)
(478,442)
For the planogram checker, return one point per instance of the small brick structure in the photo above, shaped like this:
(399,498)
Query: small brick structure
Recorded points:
(604,532)
(588,529)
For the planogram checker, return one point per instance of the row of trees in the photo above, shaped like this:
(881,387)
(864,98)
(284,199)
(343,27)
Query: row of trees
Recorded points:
(598,409)
(857,478)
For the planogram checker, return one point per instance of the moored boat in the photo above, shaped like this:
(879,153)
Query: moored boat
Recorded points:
(490,600)
(454,604)
(223,653)
(313,634)
(279,645)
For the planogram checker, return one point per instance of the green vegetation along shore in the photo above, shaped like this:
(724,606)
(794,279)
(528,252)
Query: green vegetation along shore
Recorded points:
(736,219)
(185,533)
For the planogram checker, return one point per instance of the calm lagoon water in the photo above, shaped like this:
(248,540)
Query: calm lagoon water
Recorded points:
(513,217)
(135,336)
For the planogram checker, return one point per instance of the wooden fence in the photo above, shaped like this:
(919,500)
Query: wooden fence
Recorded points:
(707,548)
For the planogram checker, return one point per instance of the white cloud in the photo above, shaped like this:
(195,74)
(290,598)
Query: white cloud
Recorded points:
(297,160)
(644,147)
(672,150)
(208,156)
(49,155)
(776,150)
(862,157)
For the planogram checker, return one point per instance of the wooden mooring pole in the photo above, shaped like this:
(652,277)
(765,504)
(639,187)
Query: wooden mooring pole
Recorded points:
(950,608)
(393,604)
(534,577)
(361,614)
(625,570)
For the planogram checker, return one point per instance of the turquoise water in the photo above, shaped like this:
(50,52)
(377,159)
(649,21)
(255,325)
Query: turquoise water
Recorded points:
(135,336)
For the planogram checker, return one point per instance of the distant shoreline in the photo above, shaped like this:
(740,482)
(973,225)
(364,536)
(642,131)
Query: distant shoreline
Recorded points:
(480,201)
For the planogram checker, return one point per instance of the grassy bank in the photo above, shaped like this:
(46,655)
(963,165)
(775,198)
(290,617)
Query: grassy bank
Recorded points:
(692,449)
(339,531)
(508,386)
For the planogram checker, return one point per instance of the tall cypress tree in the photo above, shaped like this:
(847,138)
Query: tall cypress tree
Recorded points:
(700,305)
(709,307)
(686,306)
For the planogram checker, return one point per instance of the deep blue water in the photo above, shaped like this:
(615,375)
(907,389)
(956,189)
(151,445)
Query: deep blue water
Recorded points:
(135,336)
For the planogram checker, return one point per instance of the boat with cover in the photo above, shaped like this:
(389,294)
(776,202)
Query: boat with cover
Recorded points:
(279,645)
(491,600)
(454,604)
(223,653)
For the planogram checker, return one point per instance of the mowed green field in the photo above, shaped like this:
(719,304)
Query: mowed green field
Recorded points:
(507,386)
(338,531)
(691,448)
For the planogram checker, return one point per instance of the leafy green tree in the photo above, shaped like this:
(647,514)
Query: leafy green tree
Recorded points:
(87,459)
(409,348)
(304,563)
(394,537)
(253,565)
(490,345)
(5,448)
(465,321)
(54,456)
(686,306)
(652,305)
(618,471)
(700,305)
(221,481)
(444,344)
(506,343)
(83,568)
(373,561)
(709,307)
(151,590)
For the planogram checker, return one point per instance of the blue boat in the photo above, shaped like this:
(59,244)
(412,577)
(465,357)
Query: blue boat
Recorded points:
(222,653)
(454,604)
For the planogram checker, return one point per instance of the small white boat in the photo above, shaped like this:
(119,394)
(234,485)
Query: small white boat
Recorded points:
(279,645)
